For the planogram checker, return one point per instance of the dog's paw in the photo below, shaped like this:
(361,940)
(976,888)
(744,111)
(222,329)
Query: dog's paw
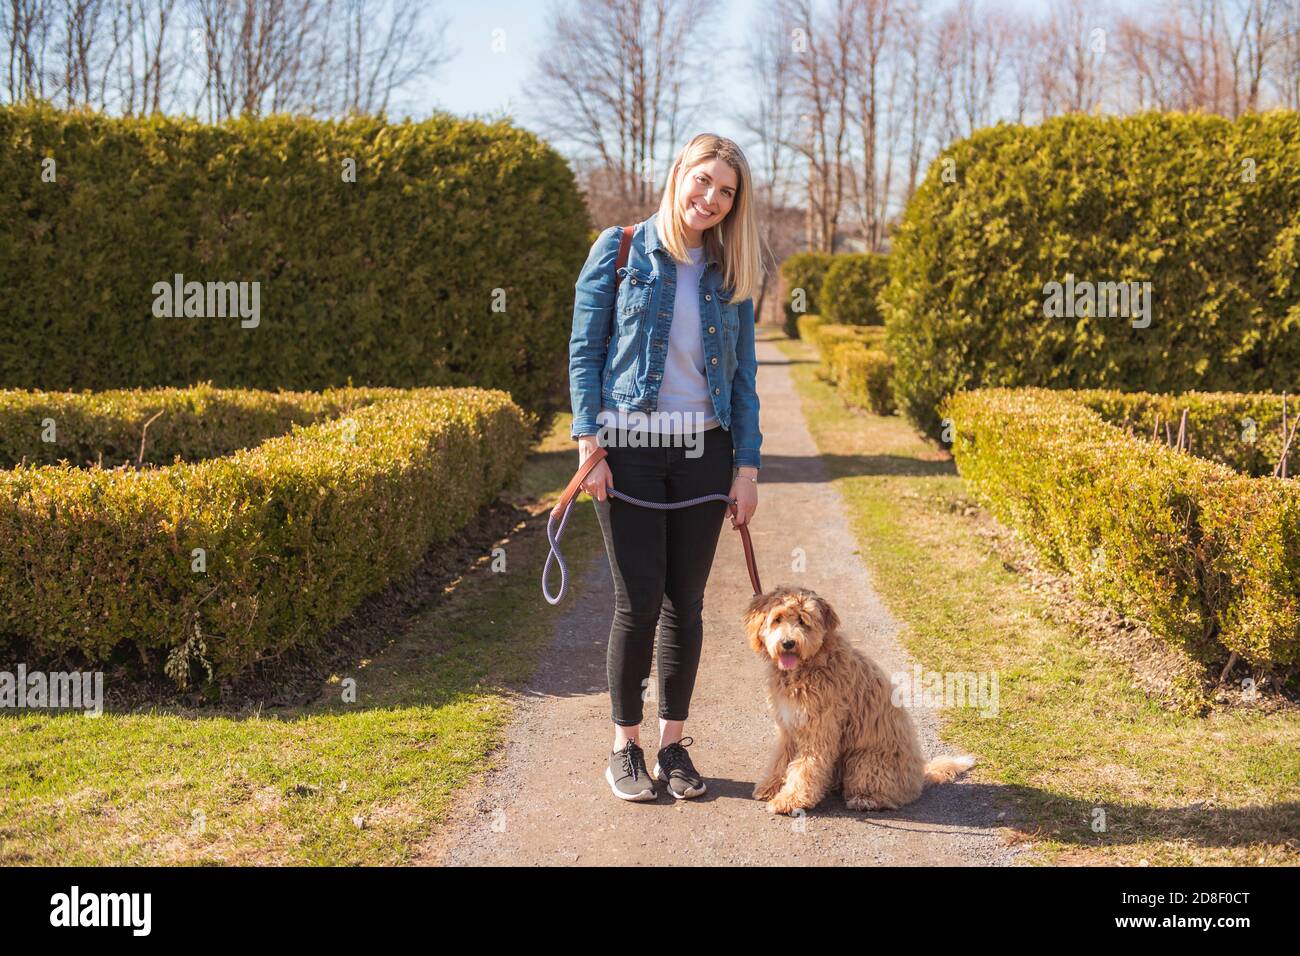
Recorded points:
(781,804)
(768,790)
(861,803)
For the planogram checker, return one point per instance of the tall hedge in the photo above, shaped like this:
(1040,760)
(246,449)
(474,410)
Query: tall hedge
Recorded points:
(1206,209)
(448,261)
(852,284)
(806,271)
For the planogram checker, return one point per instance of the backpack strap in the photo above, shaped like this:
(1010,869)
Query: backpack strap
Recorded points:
(624,247)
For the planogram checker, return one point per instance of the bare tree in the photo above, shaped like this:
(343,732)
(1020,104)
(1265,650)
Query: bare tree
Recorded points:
(380,57)
(27,34)
(614,81)
(972,48)
(1286,81)
(770,122)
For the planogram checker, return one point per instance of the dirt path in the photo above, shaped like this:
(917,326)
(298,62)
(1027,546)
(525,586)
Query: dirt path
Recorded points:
(546,801)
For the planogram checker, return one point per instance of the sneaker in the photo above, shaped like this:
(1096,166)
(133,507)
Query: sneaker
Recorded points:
(627,774)
(674,767)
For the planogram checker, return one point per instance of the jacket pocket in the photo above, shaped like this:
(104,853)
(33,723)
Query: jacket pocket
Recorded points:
(634,291)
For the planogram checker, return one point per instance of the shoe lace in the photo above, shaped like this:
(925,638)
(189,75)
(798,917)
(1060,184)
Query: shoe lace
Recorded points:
(675,757)
(634,761)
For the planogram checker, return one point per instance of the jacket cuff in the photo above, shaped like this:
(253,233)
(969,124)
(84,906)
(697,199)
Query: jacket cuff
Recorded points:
(746,458)
(583,426)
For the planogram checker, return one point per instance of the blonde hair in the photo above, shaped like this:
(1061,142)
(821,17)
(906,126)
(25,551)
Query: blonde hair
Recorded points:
(734,241)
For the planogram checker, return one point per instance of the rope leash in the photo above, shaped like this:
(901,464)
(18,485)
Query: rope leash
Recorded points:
(560,513)
(553,534)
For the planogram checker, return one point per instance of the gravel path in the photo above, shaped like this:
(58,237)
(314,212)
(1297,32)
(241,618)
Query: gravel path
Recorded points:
(546,802)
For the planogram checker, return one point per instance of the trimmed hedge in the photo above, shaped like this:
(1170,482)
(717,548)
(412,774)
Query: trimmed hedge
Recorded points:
(863,376)
(396,279)
(1237,429)
(807,326)
(829,335)
(295,531)
(806,271)
(1206,209)
(1208,557)
(849,290)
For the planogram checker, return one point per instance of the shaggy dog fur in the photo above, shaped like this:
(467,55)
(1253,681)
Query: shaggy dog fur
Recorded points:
(835,721)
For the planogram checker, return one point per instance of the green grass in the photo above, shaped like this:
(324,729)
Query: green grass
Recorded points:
(283,786)
(1072,733)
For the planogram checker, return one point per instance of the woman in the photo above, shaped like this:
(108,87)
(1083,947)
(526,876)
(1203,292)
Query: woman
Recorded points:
(662,374)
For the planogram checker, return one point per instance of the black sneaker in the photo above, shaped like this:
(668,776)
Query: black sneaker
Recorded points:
(627,775)
(674,767)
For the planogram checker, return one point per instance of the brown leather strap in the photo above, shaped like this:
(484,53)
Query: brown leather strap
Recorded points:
(575,485)
(749,556)
(624,247)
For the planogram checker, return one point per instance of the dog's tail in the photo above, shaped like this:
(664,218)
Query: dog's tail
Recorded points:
(948,768)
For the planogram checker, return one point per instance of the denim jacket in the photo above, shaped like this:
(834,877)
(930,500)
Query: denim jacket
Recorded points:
(618,349)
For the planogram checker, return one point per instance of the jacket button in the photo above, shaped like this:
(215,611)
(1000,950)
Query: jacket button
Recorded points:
(714,360)
(712,330)
(707,297)
(634,282)
(717,391)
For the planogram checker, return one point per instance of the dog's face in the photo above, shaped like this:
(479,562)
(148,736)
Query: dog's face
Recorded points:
(789,625)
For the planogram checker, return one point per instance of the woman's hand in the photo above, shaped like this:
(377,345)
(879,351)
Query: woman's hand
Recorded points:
(746,494)
(599,477)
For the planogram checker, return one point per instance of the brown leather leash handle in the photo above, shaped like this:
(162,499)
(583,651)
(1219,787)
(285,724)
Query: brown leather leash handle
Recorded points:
(575,485)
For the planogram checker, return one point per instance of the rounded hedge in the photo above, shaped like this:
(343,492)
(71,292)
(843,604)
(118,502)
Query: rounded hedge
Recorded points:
(803,271)
(1203,208)
(429,253)
(849,290)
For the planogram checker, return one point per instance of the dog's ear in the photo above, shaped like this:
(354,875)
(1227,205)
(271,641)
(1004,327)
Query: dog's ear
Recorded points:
(830,621)
(754,617)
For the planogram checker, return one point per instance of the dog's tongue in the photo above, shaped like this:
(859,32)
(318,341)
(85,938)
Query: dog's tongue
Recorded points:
(788,661)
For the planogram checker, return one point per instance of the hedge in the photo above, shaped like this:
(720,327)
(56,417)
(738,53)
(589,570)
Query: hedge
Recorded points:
(295,531)
(1208,557)
(807,326)
(806,271)
(863,377)
(1238,429)
(849,290)
(450,259)
(1204,208)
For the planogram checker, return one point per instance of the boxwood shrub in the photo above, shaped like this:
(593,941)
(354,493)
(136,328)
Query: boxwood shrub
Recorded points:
(1205,209)
(1207,556)
(440,252)
(852,284)
(228,560)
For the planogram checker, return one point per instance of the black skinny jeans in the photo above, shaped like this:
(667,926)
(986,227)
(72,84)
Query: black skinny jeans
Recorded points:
(661,562)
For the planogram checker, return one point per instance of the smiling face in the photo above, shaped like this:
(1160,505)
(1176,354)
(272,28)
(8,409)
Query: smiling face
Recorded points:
(788,626)
(705,196)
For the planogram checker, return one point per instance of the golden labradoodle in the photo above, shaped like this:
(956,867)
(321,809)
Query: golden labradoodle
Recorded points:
(835,721)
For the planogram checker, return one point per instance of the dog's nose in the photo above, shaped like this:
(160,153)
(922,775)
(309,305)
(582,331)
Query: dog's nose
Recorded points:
(787,645)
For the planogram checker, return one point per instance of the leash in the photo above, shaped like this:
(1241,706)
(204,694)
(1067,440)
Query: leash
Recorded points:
(561,513)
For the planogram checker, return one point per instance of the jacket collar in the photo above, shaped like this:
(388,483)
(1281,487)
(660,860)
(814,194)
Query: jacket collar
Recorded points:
(652,241)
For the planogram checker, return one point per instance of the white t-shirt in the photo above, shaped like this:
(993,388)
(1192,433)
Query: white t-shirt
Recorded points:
(684,400)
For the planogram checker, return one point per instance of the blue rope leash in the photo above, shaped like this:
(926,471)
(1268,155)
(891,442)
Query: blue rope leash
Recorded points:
(553,533)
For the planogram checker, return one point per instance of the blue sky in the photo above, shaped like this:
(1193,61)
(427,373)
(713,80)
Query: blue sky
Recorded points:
(482,81)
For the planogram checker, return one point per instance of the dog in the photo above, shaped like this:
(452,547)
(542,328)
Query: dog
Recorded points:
(835,720)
